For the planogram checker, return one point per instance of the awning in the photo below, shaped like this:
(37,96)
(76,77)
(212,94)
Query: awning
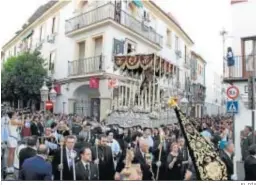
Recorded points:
(138,3)
(29,34)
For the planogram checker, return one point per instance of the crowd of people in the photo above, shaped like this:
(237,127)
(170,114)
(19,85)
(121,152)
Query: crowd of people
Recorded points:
(46,146)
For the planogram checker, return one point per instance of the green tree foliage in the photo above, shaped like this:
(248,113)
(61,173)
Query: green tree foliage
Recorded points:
(22,77)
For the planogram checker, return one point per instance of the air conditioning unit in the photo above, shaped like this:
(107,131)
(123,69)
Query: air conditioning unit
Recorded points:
(51,38)
(178,53)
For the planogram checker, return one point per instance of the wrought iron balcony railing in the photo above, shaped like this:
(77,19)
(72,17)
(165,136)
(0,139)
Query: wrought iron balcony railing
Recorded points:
(108,11)
(86,66)
(243,67)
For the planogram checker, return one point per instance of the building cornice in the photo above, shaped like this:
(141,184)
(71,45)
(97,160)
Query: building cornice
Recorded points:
(56,7)
(171,22)
(198,56)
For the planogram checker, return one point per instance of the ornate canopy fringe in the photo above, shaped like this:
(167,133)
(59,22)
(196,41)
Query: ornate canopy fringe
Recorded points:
(207,162)
(145,62)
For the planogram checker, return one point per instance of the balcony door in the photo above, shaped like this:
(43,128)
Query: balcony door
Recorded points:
(97,53)
(81,50)
(81,62)
(98,46)
(249,56)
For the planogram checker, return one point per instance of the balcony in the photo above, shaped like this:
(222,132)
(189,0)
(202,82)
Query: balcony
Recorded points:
(244,67)
(108,12)
(86,66)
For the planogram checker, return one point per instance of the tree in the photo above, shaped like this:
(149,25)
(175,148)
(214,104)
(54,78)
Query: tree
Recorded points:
(22,77)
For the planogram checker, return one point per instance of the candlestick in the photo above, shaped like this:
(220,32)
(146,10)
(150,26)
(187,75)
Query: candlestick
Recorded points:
(154,84)
(119,96)
(146,98)
(150,88)
(158,92)
(130,94)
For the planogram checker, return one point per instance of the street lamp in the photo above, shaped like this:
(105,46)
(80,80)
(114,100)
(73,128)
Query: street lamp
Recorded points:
(44,91)
(53,94)
(184,105)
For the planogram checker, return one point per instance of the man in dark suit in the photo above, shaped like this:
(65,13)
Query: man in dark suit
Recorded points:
(247,142)
(67,166)
(226,156)
(87,134)
(156,152)
(36,168)
(85,169)
(102,156)
(29,151)
(250,164)
(140,157)
(183,150)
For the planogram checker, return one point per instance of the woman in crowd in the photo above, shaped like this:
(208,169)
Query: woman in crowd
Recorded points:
(13,138)
(63,129)
(174,163)
(26,130)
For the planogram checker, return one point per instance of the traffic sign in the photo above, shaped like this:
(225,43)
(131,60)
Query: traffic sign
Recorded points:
(232,106)
(232,92)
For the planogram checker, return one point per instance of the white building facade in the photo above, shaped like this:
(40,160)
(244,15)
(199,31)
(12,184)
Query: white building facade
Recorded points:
(214,103)
(79,40)
(198,86)
(244,51)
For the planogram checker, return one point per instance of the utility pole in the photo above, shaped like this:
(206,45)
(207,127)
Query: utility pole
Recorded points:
(223,34)
(251,101)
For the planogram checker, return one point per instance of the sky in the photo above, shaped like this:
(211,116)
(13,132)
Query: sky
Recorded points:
(201,19)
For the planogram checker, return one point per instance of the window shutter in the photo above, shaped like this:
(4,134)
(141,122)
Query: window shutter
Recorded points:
(118,47)
(57,18)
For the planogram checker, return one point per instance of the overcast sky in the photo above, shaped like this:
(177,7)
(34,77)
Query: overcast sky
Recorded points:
(201,19)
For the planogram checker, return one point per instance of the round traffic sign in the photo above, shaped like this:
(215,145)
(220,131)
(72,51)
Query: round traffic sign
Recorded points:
(232,92)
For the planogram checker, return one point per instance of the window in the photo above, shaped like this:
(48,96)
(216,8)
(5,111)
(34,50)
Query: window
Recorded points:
(250,54)
(168,38)
(29,42)
(98,46)
(52,61)
(53,25)
(185,55)
(41,33)
(130,46)
(177,43)
(146,16)
(14,51)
